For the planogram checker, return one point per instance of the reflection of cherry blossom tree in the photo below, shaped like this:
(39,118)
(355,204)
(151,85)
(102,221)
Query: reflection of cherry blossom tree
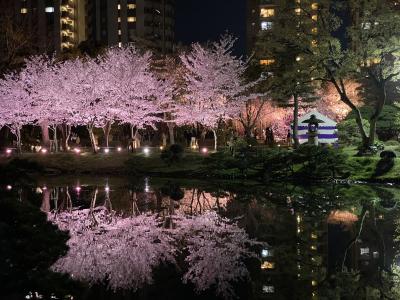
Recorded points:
(124,251)
(216,251)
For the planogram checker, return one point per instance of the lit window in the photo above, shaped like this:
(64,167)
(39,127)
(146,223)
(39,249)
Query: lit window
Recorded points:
(24,10)
(266,252)
(267,62)
(297,11)
(131,19)
(314,17)
(266,25)
(267,12)
(268,289)
(49,9)
(267,265)
(314,6)
(131,6)
(119,6)
(314,30)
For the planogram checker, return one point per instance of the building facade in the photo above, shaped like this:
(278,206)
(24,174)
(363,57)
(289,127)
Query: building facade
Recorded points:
(61,25)
(118,22)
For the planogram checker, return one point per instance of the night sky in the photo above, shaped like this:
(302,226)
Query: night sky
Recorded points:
(207,19)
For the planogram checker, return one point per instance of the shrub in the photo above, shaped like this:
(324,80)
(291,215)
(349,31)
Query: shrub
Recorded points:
(348,132)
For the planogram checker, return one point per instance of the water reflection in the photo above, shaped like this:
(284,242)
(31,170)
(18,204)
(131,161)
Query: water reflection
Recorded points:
(329,242)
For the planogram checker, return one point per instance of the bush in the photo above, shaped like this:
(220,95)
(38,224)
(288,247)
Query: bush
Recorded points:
(172,154)
(307,162)
(348,131)
(392,143)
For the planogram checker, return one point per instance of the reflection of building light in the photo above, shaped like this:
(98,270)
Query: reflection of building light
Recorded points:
(267,265)
(313,247)
(298,218)
(375,254)
(364,251)
(268,289)
(314,282)
(314,236)
(146,185)
(342,217)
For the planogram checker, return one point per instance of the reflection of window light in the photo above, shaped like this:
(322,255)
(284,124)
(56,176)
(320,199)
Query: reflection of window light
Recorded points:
(131,6)
(375,254)
(364,251)
(297,11)
(267,62)
(267,265)
(131,19)
(266,25)
(119,6)
(268,289)
(314,236)
(119,19)
(119,32)
(313,247)
(314,17)
(24,10)
(266,253)
(120,44)
(49,9)
(314,6)
(267,12)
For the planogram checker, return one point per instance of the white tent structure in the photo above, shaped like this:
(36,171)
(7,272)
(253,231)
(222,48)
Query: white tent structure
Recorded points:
(327,130)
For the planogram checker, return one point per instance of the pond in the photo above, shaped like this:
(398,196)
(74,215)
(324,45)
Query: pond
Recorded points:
(154,238)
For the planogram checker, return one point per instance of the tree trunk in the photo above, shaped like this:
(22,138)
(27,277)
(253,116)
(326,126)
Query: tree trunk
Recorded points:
(65,134)
(378,110)
(92,139)
(171,133)
(55,138)
(107,130)
(18,137)
(215,139)
(296,142)
(133,137)
(45,134)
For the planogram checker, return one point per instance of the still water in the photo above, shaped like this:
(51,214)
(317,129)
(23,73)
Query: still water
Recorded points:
(152,238)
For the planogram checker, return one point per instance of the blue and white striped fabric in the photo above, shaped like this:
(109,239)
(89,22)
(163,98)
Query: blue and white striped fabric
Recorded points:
(327,131)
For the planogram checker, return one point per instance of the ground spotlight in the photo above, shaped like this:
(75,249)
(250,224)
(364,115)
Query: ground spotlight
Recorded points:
(9,187)
(107,188)
(204,150)
(77,150)
(146,150)
(119,149)
(43,150)
(106,150)
(8,151)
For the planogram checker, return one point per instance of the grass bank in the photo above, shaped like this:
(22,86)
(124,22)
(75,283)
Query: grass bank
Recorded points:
(191,165)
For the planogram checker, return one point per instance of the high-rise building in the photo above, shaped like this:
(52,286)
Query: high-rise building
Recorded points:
(260,15)
(61,25)
(53,25)
(117,22)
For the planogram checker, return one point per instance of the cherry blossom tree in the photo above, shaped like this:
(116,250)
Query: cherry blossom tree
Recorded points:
(15,106)
(215,86)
